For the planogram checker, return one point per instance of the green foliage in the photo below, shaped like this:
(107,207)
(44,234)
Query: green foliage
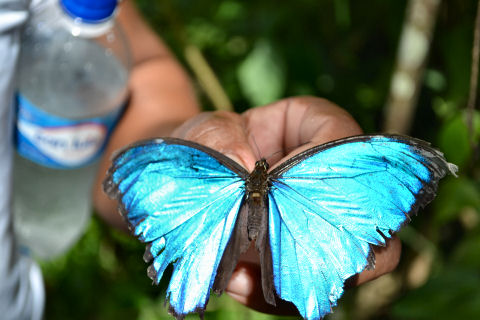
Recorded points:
(454,196)
(453,294)
(262,74)
(341,50)
(102,277)
(332,49)
(454,138)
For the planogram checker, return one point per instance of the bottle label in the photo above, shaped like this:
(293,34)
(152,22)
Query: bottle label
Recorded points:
(57,142)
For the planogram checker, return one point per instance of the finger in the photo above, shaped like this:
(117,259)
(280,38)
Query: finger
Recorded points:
(222,131)
(386,260)
(296,124)
(245,287)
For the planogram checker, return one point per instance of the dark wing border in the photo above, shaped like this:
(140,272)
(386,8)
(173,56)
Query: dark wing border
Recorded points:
(229,163)
(419,144)
(110,188)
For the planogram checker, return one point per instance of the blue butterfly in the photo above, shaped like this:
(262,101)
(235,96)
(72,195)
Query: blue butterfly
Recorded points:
(314,218)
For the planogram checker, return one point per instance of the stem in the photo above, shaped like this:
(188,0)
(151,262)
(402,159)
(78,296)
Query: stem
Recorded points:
(411,56)
(207,78)
(472,96)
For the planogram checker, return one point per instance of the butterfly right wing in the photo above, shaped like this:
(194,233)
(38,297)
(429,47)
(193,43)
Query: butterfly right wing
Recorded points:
(328,205)
(183,199)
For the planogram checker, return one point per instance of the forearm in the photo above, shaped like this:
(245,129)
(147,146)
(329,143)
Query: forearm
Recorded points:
(161,97)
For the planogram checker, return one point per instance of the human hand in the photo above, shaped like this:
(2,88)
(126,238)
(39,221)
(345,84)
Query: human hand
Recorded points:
(277,132)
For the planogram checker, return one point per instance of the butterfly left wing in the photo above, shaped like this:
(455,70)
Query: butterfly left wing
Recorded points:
(182,199)
(328,205)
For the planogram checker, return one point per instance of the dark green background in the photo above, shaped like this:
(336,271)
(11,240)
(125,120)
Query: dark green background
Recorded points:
(344,51)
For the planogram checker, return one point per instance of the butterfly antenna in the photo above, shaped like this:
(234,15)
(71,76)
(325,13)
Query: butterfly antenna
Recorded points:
(273,154)
(286,152)
(257,149)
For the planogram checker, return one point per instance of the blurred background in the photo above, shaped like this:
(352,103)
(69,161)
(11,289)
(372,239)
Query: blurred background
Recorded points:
(394,65)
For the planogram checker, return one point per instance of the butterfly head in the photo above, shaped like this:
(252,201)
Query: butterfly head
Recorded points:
(262,164)
(257,181)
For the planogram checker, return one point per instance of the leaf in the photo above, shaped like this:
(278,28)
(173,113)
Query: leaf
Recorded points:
(466,253)
(476,127)
(452,294)
(454,140)
(262,74)
(453,196)
(230,10)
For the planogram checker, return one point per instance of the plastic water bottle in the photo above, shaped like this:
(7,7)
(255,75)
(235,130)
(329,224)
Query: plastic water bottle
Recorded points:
(73,72)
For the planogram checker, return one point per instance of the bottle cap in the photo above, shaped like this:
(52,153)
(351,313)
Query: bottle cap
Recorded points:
(90,10)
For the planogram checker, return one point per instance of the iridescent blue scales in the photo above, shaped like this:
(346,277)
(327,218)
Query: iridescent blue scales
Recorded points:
(320,213)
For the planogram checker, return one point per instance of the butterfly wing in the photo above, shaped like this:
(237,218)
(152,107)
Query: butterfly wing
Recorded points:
(328,205)
(182,199)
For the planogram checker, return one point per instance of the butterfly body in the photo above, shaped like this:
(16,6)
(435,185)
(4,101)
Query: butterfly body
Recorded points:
(256,197)
(314,217)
